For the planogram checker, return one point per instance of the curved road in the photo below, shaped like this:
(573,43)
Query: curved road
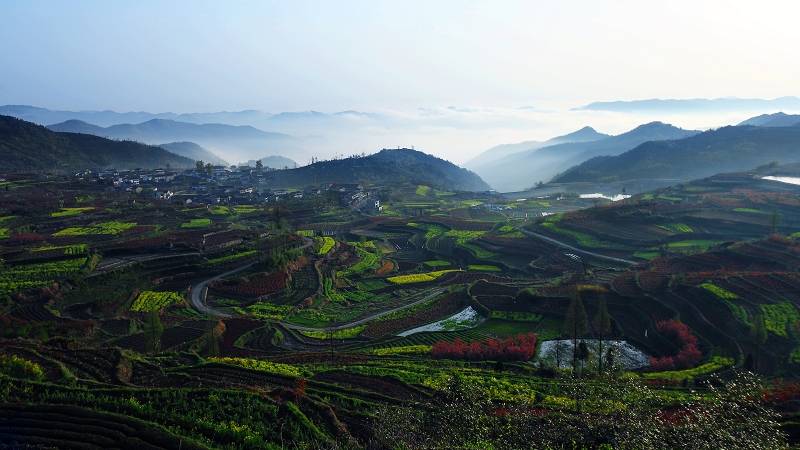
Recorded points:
(199,304)
(197,290)
(360,321)
(574,249)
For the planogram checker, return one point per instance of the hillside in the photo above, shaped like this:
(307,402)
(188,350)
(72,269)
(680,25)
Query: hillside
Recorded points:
(162,130)
(585,134)
(656,105)
(234,142)
(779,119)
(522,170)
(193,151)
(728,149)
(26,146)
(383,167)
(273,162)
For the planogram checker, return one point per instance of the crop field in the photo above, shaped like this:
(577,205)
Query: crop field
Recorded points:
(197,223)
(100,228)
(297,345)
(153,301)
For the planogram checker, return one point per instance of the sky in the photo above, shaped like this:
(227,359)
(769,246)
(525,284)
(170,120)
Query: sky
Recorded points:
(400,58)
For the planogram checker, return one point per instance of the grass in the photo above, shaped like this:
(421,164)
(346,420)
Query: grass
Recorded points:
(197,223)
(676,228)
(153,301)
(229,258)
(347,333)
(516,316)
(422,190)
(479,252)
(718,291)
(483,268)
(777,316)
(406,350)
(505,328)
(263,366)
(327,245)
(66,212)
(718,362)
(750,210)
(305,233)
(582,238)
(437,263)
(100,228)
(419,277)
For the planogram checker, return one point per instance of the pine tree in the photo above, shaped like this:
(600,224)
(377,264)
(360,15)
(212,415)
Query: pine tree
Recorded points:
(153,329)
(576,324)
(758,333)
(602,326)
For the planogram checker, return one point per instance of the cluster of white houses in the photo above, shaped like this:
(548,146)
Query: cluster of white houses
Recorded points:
(222,185)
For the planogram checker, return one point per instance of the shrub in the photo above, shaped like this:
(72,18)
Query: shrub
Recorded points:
(521,348)
(689,355)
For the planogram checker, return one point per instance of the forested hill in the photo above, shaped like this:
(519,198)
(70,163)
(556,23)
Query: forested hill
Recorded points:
(25,146)
(728,149)
(384,167)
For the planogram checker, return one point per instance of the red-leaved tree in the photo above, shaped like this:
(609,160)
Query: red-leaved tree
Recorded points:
(689,355)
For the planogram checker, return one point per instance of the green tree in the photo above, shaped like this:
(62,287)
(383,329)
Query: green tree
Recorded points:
(199,165)
(153,329)
(602,326)
(774,220)
(209,168)
(576,324)
(259,166)
(758,333)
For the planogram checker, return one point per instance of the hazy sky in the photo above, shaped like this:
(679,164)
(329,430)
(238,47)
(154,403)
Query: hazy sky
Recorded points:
(334,55)
(196,56)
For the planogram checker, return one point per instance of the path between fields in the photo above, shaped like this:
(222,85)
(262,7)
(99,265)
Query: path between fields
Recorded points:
(199,304)
(575,249)
(435,293)
(197,290)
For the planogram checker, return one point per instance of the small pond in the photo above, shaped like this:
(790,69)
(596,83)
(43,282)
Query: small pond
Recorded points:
(613,198)
(468,318)
(789,180)
(631,357)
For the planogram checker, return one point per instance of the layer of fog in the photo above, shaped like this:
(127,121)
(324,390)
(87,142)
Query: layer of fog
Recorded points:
(455,134)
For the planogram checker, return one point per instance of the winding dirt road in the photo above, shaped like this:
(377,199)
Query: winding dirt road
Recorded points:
(438,291)
(575,249)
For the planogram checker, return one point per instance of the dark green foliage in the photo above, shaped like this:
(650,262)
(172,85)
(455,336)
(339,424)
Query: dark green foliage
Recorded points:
(153,329)
(758,333)
(384,167)
(602,326)
(26,146)
(576,324)
(732,417)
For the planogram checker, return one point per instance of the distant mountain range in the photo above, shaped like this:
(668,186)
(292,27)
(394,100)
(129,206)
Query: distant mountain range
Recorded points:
(218,139)
(386,166)
(727,149)
(778,119)
(25,146)
(193,151)
(523,169)
(43,116)
(694,105)
(585,134)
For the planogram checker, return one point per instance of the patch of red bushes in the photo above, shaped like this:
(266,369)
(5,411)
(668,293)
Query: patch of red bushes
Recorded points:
(520,348)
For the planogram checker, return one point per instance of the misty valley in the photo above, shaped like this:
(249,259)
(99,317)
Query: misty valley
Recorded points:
(590,291)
